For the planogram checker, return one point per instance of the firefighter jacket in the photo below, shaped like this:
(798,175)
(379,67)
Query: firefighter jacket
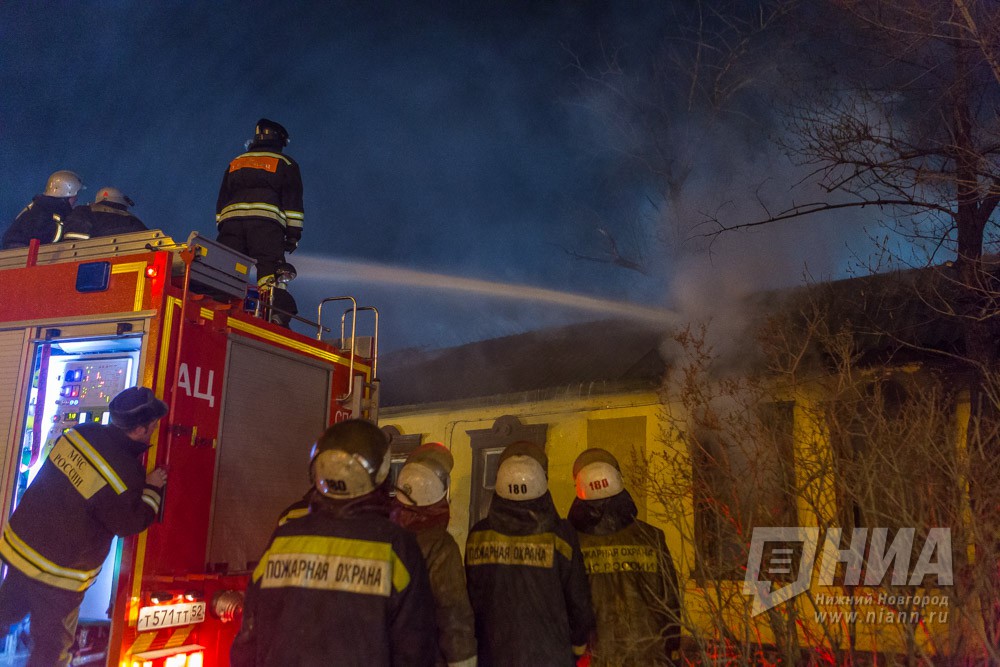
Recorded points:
(298,509)
(340,585)
(262,183)
(105,218)
(45,219)
(91,488)
(453,612)
(633,584)
(527,585)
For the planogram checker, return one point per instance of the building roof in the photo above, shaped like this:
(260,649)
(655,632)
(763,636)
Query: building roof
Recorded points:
(591,357)
(893,318)
(898,316)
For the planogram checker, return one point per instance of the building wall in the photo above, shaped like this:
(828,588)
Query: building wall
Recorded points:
(573,425)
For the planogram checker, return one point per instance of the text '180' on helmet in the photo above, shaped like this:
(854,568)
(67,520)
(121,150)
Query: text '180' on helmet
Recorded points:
(113,195)
(349,460)
(63,184)
(268,130)
(522,472)
(424,477)
(597,475)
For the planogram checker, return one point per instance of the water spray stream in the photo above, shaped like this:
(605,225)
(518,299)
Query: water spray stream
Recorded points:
(313,268)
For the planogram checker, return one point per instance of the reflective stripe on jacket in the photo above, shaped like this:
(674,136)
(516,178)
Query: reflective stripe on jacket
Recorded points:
(90,488)
(527,585)
(633,584)
(261,184)
(104,219)
(45,219)
(343,585)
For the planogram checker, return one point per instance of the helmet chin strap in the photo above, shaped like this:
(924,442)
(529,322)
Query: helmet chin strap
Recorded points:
(409,498)
(383,470)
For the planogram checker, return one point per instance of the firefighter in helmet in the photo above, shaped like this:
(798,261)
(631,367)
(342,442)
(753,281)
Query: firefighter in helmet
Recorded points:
(632,578)
(341,584)
(108,215)
(45,218)
(525,572)
(421,506)
(259,210)
(92,487)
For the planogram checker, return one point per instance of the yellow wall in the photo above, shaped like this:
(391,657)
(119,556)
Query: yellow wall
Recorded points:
(567,435)
(566,438)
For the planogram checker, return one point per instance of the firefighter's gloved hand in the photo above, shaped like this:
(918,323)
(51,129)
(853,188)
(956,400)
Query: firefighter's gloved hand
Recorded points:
(157,478)
(292,236)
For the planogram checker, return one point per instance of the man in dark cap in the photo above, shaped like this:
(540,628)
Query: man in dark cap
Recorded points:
(259,209)
(92,487)
(340,584)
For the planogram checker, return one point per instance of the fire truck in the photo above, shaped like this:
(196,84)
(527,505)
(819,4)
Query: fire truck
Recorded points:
(81,321)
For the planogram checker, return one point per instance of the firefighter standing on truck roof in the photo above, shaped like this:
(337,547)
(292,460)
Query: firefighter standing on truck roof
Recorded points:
(633,583)
(259,210)
(45,218)
(421,506)
(527,582)
(341,584)
(108,215)
(92,487)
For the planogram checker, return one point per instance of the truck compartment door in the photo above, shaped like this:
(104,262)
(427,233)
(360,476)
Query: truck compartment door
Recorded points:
(276,404)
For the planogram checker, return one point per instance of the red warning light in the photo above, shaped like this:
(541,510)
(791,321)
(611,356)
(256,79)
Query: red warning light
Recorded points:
(150,271)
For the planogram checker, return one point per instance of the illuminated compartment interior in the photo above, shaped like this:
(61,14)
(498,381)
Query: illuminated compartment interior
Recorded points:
(73,382)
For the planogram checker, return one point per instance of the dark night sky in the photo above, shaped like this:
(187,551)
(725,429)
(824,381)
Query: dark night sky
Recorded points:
(447,138)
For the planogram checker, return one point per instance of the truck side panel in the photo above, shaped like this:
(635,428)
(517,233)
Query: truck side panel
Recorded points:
(276,404)
(13,368)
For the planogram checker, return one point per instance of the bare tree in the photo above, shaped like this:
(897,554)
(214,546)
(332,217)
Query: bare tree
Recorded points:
(668,108)
(907,125)
(829,429)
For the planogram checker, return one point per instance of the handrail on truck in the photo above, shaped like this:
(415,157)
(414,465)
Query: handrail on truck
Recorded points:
(374,338)
(354,321)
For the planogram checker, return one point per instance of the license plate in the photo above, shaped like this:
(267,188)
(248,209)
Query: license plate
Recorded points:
(169,615)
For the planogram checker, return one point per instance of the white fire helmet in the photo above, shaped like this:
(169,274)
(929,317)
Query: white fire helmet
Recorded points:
(424,478)
(113,195)
(63,184)
(349,460)
(597,475)
(522,472)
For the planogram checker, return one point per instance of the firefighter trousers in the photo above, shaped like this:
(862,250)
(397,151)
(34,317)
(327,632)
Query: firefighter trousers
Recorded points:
(53,615)
(264,240)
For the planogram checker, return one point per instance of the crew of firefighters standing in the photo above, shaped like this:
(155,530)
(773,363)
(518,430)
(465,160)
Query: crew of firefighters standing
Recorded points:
(362,573)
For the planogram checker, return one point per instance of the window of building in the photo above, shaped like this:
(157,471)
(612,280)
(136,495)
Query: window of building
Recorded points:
(893,443)
(487,445)
(743,476)
(400,447)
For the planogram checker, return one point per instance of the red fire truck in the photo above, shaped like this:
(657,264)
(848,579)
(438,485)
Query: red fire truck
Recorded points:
(79,322)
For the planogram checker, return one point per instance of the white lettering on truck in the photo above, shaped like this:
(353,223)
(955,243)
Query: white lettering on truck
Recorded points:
(184,382)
